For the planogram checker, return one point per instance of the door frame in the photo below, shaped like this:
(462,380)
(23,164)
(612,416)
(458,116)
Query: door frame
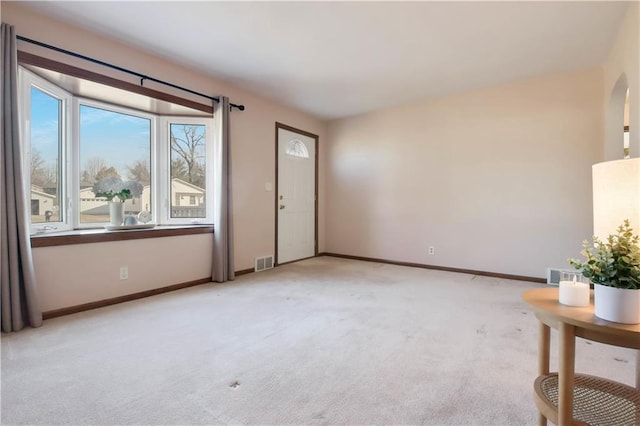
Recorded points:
(315,237)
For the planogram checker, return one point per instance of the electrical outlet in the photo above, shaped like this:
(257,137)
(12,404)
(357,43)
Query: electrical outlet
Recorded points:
(432,250)
(124,272)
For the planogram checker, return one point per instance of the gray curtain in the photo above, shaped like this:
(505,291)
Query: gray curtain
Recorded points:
(223,213)
(18,295)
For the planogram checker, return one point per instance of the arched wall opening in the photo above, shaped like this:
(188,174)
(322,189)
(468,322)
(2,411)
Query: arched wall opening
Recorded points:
(614,138)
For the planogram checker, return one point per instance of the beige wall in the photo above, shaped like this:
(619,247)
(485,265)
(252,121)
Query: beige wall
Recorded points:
(75,274)
(496,180)
(253,164)
(622,70)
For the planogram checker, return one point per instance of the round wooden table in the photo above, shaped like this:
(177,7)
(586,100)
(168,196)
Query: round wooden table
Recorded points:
(566,398)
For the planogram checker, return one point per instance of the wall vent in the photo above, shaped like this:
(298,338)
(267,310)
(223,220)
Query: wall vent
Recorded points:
(553,275)
(263,263)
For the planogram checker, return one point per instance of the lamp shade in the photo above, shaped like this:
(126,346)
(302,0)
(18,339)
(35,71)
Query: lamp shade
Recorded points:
(616,196)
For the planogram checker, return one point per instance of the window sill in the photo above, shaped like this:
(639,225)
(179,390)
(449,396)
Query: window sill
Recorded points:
(86,236)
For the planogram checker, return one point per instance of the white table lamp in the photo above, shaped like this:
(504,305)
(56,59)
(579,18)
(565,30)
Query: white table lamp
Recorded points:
(616,196)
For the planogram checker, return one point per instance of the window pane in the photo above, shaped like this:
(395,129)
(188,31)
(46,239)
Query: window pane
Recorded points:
(188,171)
(297,148)
(115,154)
(45,133)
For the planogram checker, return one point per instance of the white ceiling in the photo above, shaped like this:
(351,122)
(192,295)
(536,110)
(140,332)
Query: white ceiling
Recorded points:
(336,59)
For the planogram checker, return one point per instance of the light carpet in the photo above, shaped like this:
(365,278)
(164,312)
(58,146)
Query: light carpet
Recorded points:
(322,341)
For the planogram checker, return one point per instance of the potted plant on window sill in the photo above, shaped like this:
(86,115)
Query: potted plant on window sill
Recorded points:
(116,192)
(116,204)
(613,266)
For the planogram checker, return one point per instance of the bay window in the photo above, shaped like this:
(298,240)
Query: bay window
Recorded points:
(74,146)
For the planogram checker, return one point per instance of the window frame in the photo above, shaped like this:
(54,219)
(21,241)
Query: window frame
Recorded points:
(28,80)
(165,171)
(75,141)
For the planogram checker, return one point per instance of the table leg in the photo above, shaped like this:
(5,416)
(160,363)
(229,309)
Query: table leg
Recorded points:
(544,345)
(566,373)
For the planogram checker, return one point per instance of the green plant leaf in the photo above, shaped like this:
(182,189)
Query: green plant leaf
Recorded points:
(614,262)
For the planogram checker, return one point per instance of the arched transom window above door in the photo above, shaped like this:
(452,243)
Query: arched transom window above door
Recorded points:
(297,148)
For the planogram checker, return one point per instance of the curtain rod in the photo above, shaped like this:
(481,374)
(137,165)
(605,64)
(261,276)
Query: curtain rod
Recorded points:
(116,67)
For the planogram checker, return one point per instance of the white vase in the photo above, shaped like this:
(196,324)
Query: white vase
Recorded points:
(617,304)
(116,213)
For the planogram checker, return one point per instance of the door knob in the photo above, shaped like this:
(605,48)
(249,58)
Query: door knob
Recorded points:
(281,206)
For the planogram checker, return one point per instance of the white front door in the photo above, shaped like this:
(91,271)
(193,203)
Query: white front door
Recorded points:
(296,197)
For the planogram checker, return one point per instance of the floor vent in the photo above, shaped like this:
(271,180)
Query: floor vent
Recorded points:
(263,263)
(553,275)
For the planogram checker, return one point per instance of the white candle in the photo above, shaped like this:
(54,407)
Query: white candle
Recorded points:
(573,293)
